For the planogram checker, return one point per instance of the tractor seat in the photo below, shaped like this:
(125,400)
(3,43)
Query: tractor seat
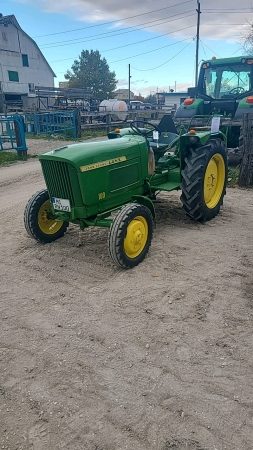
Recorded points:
(165,139)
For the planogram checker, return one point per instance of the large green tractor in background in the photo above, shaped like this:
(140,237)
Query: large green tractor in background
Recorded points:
(225,88)
(113,183)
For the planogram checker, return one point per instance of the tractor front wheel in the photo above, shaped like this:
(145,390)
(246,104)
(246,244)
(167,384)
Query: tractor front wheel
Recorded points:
(130,235)
(38,223)
(204,180)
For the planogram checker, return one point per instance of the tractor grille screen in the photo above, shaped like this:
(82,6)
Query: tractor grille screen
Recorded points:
(56,174)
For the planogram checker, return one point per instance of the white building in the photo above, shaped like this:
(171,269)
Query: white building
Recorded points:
(171,100)
(123,94)
(22,65)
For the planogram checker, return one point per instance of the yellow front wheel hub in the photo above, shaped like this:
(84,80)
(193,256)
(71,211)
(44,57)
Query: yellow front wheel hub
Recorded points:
(214,180)
(47,226)
(136,237)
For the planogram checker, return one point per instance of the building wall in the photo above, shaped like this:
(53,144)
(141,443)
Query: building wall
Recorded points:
(171,100)
(123,95)
(13,44)
(63,84)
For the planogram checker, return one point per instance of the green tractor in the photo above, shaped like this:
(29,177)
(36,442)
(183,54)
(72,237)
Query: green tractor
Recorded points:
(113,183)
(225,88)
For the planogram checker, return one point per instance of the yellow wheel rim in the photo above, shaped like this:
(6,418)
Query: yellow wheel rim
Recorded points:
(46,225)
(214,180)
(136,237)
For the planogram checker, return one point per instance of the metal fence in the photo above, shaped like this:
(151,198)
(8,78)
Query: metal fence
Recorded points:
(12,135)
(60,122)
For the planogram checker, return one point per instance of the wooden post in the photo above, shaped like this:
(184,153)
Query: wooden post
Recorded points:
(78,123)
(108,121)
(246,168)
(18,134)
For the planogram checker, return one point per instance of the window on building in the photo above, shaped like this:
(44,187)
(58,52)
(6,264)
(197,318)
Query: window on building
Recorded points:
(31,88)
(13,76)
(25,60)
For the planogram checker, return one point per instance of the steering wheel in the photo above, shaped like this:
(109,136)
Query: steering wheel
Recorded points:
(143,132)
(237,90)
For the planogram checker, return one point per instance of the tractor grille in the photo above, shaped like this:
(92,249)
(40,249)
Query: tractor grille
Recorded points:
(56,174)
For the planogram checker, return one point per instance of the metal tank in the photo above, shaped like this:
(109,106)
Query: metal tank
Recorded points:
(118,108)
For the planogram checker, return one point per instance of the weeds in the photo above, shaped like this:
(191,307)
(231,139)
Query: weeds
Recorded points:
(233,175)
(10,157)
(68,135)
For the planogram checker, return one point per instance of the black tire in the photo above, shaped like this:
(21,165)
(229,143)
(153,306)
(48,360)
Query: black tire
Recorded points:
(36,222)
(133,222)
(204,179)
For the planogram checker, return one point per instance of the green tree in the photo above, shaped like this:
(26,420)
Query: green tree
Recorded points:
(92,72)
(151,98)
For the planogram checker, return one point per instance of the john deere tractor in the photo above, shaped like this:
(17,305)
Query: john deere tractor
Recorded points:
(113,183)
(225,88)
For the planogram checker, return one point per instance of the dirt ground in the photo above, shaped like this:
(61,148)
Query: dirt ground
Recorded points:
(98,358)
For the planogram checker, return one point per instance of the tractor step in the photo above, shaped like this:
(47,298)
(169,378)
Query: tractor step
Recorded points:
(168,186)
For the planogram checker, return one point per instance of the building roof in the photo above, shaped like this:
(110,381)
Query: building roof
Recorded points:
(11,20)
(122,91)
(172,94)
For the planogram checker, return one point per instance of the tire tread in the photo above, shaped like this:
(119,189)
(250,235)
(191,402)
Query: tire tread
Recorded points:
(31,219)
(115,240)
(192,181)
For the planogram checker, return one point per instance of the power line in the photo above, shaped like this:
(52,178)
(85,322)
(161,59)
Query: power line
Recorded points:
(163,64)
(203,48)
(127,45)
(150,51)
(221,24)
(227,9)
(210,49)
(113,34)
(236,11)
(135,43)
(114,21)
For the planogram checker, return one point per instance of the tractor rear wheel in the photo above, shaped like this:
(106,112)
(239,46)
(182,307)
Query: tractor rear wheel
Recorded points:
(204,180)
(38,223)
(130,235)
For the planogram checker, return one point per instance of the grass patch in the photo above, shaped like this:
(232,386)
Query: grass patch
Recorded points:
(11,157)
(92,134)
(86,134)
(233,175)
(49,137)
(8,157)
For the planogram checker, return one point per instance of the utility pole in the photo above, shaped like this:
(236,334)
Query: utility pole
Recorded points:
(197,44)
(129,91)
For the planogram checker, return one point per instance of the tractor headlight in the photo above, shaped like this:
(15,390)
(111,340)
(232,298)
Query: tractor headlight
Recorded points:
(193,139)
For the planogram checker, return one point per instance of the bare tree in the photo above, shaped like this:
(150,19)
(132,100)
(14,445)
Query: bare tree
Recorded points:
(247,39)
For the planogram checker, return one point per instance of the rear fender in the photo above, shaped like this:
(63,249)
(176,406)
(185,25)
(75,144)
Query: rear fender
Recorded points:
(188,111)
(202,138)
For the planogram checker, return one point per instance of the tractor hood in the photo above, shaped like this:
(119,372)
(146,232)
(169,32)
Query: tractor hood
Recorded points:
(92,155)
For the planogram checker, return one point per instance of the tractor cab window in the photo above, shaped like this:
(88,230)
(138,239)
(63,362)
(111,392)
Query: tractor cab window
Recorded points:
(226,81)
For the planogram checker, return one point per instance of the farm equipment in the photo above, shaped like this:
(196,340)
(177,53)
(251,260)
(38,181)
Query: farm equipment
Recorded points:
(225,88)
(113,183)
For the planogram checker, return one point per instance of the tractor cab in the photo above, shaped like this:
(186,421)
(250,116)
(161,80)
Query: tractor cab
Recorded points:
(224,87)
(225,84)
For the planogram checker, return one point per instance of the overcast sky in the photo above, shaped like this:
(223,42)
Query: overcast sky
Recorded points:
(157,41)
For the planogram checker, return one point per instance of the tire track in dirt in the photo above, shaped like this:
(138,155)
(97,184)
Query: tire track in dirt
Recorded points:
(157,357)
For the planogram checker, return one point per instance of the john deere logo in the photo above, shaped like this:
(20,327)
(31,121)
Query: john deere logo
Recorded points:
(97,165)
